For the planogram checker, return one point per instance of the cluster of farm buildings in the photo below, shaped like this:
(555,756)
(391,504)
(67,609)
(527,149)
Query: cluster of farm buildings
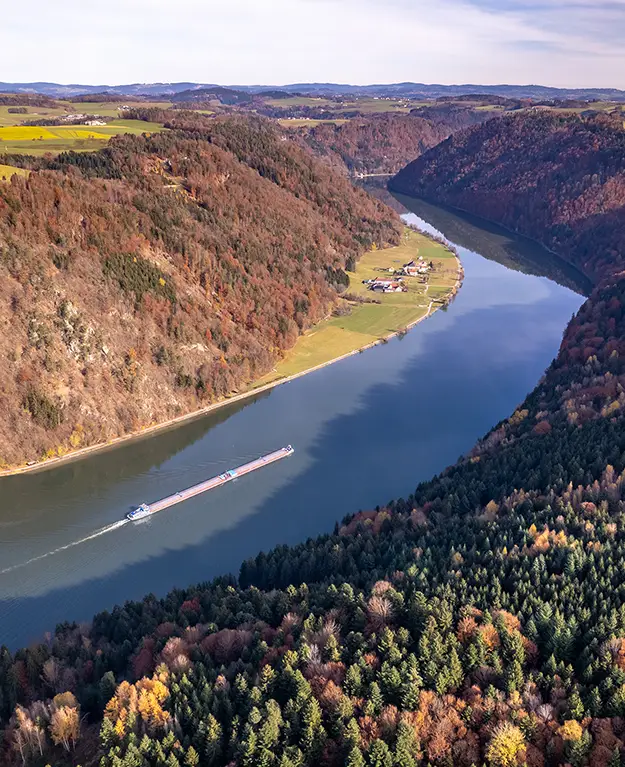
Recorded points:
(83,119)
(395,283)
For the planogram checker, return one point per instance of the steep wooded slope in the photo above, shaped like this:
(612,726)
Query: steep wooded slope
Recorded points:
(385,143)
(471,623)
(143,281)
(381,144)
(558,179)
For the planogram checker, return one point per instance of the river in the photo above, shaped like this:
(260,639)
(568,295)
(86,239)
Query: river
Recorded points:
(365,430)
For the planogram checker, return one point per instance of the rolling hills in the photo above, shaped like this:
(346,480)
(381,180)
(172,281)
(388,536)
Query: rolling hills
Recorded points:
(406,89)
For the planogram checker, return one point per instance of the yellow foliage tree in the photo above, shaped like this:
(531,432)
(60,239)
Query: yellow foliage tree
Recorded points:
(65,725)
(505,745)
(142,701)
(571,731)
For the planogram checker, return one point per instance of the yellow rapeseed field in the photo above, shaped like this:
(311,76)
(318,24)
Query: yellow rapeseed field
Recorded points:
(33,133)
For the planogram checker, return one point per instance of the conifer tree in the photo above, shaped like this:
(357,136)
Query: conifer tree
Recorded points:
(355,758)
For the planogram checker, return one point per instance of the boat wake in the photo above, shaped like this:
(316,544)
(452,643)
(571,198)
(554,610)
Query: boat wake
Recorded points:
(97,534)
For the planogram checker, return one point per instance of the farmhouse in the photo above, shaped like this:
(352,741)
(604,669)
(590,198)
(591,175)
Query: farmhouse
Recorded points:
(414,268)
(387,286)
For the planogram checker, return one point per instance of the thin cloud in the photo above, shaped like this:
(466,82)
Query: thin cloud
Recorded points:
(278,41)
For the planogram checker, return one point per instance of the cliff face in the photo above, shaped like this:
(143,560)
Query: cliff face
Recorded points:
(560,180)
(143,281)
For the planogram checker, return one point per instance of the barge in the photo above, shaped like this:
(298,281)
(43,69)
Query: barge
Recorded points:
(146,510)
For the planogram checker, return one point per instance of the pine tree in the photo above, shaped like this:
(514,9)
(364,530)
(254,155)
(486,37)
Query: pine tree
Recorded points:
(212,741)
(312,734)
(379,755)
(191,759)
(353,681)
(331,651)
(514,676)
(594,703)
(351,733)
(406,747)
(375,697)
(354,758)
(576,707)
(391,683)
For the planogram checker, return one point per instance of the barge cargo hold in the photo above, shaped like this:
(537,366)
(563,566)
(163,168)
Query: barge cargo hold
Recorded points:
(146,510)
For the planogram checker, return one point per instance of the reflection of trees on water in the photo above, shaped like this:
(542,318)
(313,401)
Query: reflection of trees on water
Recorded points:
(129,459)
(498,244)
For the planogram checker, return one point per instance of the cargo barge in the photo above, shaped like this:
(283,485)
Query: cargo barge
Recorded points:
(146,510)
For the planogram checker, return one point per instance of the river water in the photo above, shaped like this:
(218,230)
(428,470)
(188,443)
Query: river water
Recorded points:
(365,430)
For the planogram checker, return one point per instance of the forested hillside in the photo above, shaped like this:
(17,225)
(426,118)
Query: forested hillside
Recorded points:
(380,144)
(146,280)
(385,143)
(481,621)
(558,179)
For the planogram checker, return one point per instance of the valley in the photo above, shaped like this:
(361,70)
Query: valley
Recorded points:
(364,318)
(218,248)
(404,395)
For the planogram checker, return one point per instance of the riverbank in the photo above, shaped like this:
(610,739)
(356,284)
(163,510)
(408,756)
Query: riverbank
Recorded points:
(364,318)
(367,325)
(364,431)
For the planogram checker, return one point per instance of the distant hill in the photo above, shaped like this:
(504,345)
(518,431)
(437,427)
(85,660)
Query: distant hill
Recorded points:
(412,90)
(560,180)
(73,89)
(406,90)
(213,93)
(379,144)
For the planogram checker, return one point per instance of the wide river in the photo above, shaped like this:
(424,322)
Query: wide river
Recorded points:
(365,430)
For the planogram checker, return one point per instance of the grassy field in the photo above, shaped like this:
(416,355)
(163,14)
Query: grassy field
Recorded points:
(81,138)
(368,323)
(304,123)
(299,101)
(112,108)
(34,113)
(365,105)
(371,106)
(7,171)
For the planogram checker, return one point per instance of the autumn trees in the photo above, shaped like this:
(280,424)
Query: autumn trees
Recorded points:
(374,144)
(559,179)
(45,723)
(479,621)
(162,273)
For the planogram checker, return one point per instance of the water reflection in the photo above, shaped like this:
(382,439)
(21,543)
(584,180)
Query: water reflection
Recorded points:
(498,244)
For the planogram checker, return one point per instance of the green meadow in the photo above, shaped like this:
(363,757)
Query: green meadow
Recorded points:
(112,108)
(368,323)
(305,123)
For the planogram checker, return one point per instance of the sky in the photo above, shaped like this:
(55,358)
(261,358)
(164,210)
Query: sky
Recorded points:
(565,43)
